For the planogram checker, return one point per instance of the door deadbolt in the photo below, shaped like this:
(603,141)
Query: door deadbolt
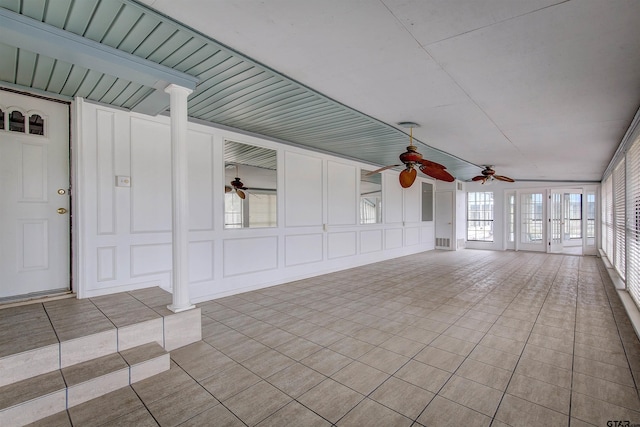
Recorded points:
(62,211)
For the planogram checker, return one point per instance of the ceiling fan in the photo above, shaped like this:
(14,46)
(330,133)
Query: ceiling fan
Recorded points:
(488,175)
(412,158)
(237,186)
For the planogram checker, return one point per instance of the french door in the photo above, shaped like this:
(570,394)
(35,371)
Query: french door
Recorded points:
(532,225)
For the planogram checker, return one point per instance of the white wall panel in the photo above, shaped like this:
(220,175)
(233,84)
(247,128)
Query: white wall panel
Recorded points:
(413,202)
(201,191)
(125,236)
(341,192)
(341,244)
(106,257)
(105,175)
(303,190)
(250,255)
(201,261)
(150,176)
(303,249)
(393,238)
(411,236)
(392,199)
(150,259)
(370,241)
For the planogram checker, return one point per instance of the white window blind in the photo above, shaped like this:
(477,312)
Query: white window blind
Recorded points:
(619,214)
(607,218)
(633,221)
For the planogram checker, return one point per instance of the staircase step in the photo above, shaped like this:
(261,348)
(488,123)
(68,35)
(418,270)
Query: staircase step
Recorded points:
(146,361)
(88,380)
(32,399)
(38,397)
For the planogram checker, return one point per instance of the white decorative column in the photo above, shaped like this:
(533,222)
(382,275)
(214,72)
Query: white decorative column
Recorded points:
(180,198)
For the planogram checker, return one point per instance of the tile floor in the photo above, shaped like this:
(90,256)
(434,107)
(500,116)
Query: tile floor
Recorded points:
(469,338)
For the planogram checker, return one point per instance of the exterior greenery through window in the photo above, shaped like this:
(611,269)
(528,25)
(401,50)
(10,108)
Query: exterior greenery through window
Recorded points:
(480,216)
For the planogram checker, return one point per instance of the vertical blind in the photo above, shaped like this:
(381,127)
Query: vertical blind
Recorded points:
(619,214)
(633,221)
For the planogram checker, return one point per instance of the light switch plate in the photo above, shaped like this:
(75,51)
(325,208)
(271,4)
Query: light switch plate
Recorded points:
(123,181)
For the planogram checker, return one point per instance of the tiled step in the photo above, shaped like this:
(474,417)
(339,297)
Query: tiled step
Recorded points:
(38,397)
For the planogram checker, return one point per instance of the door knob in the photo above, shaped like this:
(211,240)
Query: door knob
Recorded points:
(62,211)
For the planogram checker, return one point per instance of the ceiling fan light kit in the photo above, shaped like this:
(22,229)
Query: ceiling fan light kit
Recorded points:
(411,158)
(489,175)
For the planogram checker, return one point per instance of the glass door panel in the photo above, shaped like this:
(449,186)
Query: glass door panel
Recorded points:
(532,230)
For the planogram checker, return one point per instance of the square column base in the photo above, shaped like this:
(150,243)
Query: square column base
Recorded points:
(180,309)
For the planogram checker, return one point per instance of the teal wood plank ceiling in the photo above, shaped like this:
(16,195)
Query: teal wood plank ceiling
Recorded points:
(232,90)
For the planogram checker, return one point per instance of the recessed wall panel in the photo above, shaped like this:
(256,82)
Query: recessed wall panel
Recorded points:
(342,196)
(106,263)
(412,202)
(200,261)
(33,178)
(249,255)
(303,190)
(428,236)
(33,244)
(150,176)
(303,249)
(393,238)
(150,259)
(411,236)
(370,241)
(341,244)
(105,174)
(201,189)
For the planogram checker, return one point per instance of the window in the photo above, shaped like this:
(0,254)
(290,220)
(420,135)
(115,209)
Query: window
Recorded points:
(232,211)
(633,221)
(574,215)
(531,215)
(480,216)
(1,120)
(511,218)
(36,125)
(607,217)
(370,198)
(16,121)
(427,201)
(619,218)
(591,217)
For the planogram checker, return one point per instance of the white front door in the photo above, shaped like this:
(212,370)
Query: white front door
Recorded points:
(34,183)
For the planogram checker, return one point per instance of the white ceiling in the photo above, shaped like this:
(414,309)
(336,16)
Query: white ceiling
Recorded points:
(540,89)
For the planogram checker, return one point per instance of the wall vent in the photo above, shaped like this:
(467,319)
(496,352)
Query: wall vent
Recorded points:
(443,242)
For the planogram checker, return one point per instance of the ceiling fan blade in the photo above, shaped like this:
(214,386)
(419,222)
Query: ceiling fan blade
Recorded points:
(227,188)
(241,194)
(478,178)
(437,173)
(504,178)
(380,170)
(407,177)
(430,164)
